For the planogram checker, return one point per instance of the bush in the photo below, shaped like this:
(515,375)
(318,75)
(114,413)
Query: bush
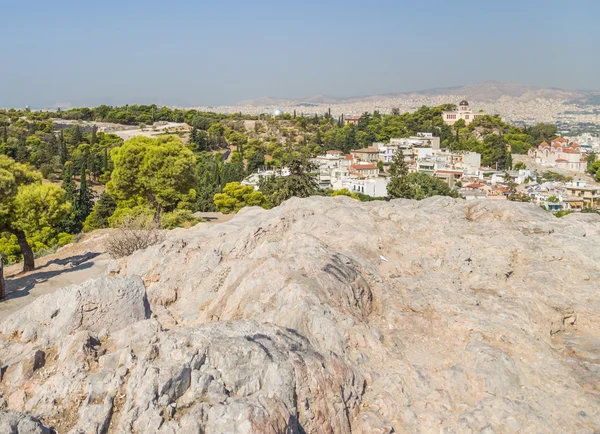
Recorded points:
(63,239)
(48,171)
(134,232)
(180,218)
(9,248)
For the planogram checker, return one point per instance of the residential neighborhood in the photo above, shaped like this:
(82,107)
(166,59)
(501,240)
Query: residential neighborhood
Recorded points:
(366,171)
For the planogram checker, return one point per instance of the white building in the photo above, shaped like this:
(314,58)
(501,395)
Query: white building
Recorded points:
(374,187)
(254,179)
(464,112)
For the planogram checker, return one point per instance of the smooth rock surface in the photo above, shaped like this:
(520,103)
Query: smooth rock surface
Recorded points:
(326,315)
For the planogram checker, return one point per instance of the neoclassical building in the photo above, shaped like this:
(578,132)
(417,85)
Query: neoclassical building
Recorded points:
(464,112)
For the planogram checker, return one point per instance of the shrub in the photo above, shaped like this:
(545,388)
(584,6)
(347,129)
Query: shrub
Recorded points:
(63,239)
(180,218)
(134,232)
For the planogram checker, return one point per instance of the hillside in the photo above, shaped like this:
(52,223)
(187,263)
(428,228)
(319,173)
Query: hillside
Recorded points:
(324,315)
(489,91)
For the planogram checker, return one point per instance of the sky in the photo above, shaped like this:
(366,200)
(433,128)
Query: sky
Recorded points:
(193,53)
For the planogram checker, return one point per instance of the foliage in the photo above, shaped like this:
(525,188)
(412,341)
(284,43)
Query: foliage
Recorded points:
(9,248)
(345,192)
(236,196)
(301,182)
(520,166)
(555,176)
(159,172)
(398,186)
(179,218)
(421,186)
(39,208)
(562,213)
(103,209)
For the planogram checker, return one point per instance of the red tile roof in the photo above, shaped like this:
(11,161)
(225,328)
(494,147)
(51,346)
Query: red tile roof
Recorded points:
(560,139)
(474,186)
(543,144)
(570,151)
(334,151)
(349,157)
(575,145)
(561,160)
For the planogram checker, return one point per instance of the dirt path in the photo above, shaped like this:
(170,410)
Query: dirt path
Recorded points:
(71,265)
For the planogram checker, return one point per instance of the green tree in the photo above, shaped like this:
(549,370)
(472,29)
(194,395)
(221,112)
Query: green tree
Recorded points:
(236,196)
(421,185)
(12,177)
(28,209)
(39,208)
(398,187)
(159,172)
(255,162)
(103,209)
(301,182)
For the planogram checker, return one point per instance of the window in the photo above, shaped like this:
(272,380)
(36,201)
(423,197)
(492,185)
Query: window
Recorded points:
(466,116)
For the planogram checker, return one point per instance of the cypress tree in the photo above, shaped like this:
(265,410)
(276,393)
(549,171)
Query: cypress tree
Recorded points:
(93,139)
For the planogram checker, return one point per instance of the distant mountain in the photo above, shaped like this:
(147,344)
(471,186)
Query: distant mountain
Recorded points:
(489,91)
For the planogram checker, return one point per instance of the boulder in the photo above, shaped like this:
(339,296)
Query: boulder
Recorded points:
(326,315)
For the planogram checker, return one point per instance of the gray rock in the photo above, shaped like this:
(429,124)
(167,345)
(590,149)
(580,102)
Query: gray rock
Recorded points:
(17,423)
(482,318)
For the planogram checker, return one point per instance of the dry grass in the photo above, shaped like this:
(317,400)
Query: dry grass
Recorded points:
(134,233)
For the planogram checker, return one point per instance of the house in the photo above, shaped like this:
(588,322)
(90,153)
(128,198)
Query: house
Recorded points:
(463,112)
(516,176)
(335,153)
(366,154)
(589,194)
(450,177)
(365,170)
(431,164)
(254,179)
(352,120)
(374,187)
(425,140)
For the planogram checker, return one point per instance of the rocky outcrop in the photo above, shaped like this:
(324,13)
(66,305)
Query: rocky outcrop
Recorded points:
(325,315)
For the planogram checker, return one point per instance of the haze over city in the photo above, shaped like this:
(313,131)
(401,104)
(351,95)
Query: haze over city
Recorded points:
(191,53)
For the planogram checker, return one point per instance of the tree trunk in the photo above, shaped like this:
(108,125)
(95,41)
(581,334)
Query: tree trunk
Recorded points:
(2,284)
(28,261)
(157,215)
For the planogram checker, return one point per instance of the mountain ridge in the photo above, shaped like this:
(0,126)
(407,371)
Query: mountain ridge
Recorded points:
(488,91)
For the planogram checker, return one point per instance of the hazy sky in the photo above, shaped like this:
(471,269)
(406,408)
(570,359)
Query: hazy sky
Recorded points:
(219,52)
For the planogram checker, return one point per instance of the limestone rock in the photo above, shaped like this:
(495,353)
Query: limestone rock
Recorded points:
(327,315)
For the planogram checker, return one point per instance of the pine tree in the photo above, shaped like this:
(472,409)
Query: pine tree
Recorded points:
(398,185)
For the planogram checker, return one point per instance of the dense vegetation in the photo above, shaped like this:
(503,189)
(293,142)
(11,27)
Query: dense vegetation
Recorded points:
(93,180)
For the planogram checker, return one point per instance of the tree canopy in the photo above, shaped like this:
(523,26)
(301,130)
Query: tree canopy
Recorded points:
(158,172)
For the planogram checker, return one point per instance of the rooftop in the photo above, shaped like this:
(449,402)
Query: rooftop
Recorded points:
(363,166)
(369,150)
